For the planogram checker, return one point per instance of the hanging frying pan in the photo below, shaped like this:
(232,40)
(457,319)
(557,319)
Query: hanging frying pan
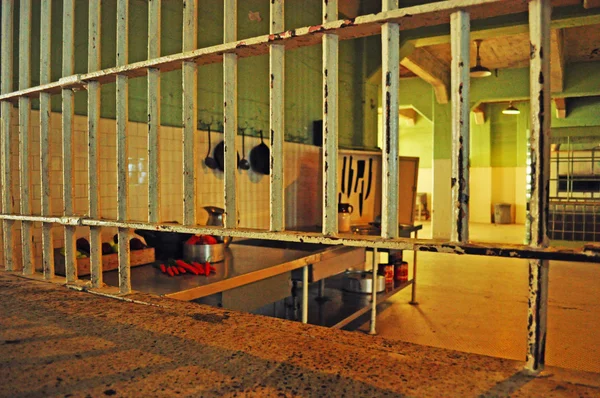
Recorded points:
(219,155)
(260,157)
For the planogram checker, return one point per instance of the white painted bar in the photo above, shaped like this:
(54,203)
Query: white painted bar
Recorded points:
(390,52)
(45,77)
(6,87)
(460,27)
(330,121)
(230,109)
(539,32)
(24,135)
(93,89)
(122,161)
(189,117)
(277,118)
(305,294)
(154,7)
(373,323)
(68,105)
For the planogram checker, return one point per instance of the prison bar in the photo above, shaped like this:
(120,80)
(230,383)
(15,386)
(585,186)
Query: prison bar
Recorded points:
(154,7)
(27,258)
(45,98)
(230,111)
(122,161)
(390,75)
(189,110)
(6,87)
(460,43)
(539,25)
(68,104)
(93,110)
(277,117)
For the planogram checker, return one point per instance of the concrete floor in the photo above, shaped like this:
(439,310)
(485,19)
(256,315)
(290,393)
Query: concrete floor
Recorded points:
(56,342)
(479,305)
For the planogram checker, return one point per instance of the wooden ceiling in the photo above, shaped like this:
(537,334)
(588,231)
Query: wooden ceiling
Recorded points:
(581,44)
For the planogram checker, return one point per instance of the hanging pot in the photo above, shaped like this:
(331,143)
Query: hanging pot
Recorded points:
(260,156)
(219,156)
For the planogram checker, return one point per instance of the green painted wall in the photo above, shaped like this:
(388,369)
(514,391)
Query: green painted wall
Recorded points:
(417,141)
(303,89)
(481,146)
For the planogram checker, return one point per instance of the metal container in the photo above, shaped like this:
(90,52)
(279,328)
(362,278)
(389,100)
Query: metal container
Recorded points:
(362,282)
(204,253)
(216,217)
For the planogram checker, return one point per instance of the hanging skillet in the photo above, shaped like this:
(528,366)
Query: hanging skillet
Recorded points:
(219,155)
(260,157)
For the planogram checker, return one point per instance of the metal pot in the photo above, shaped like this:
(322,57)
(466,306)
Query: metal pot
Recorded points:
(204,253)
(362,282)
(216,216)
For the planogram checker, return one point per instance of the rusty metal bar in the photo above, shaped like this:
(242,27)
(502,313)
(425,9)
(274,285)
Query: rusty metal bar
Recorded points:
(305,294)
(390,73)
(154,7)
(93,143)
(6,87)
(189,71)
(122,161)
(373,323)
(413,293)
(68,105)
(539,36)
(460,27)
(330,121)
(277,118)
(45,77)
(24,135)
(230,111)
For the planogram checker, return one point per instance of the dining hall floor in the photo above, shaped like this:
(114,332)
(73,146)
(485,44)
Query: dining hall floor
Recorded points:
(478,304)
(57,342)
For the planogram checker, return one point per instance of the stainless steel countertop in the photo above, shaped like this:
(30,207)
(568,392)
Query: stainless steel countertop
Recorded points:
(246,261)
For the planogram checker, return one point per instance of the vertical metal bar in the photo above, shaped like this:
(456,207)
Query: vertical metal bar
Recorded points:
(413,293)
(93,123)
(321,288)
(122,163)
(390,52)
(460,27)
(24,124)
(277,117)
(372,329)
(539,31)
(45,77)
(230,114)
(189,82)
(67,129)
(330,121)
(305,294)
(6,87)
(153,112)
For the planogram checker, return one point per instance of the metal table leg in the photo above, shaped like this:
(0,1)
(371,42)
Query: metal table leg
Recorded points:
(305,294)
(374,293)
(413,300)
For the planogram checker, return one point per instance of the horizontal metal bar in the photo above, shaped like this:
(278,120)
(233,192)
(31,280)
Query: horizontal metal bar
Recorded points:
(76,221)
(362,26)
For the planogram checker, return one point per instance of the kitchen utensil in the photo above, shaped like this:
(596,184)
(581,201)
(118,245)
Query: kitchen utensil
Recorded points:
(344,176)
(211,163)
(344,222)
(350,176)
(260,157)
(216,217)
(345,208)
(243,164)
(370,178)
(204,253)
(360,174)
(362,282)
(360,197)
(219,155)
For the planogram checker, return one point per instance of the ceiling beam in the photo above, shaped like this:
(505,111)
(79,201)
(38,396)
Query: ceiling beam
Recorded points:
(423,64)
(591,3)
(557,61)
(561,107)
(479,113)
(408,116)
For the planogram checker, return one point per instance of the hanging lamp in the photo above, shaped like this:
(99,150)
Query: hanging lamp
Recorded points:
(479,70)
(511,110)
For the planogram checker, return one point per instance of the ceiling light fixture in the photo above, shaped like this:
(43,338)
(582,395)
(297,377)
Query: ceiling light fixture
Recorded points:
(511,110)
(479,70)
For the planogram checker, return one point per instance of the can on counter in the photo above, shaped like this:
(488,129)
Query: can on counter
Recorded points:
(401,272)
(387,270)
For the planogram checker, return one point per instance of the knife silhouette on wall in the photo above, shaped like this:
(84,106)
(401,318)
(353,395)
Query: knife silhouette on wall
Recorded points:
(370,178)
(350,177)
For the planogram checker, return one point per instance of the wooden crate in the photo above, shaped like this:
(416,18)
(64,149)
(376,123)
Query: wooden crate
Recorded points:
(109,261)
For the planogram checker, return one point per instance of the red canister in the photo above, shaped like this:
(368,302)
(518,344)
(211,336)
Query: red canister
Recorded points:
(401,272)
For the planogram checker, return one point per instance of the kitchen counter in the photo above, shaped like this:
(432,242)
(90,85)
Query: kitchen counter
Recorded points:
(246,261)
